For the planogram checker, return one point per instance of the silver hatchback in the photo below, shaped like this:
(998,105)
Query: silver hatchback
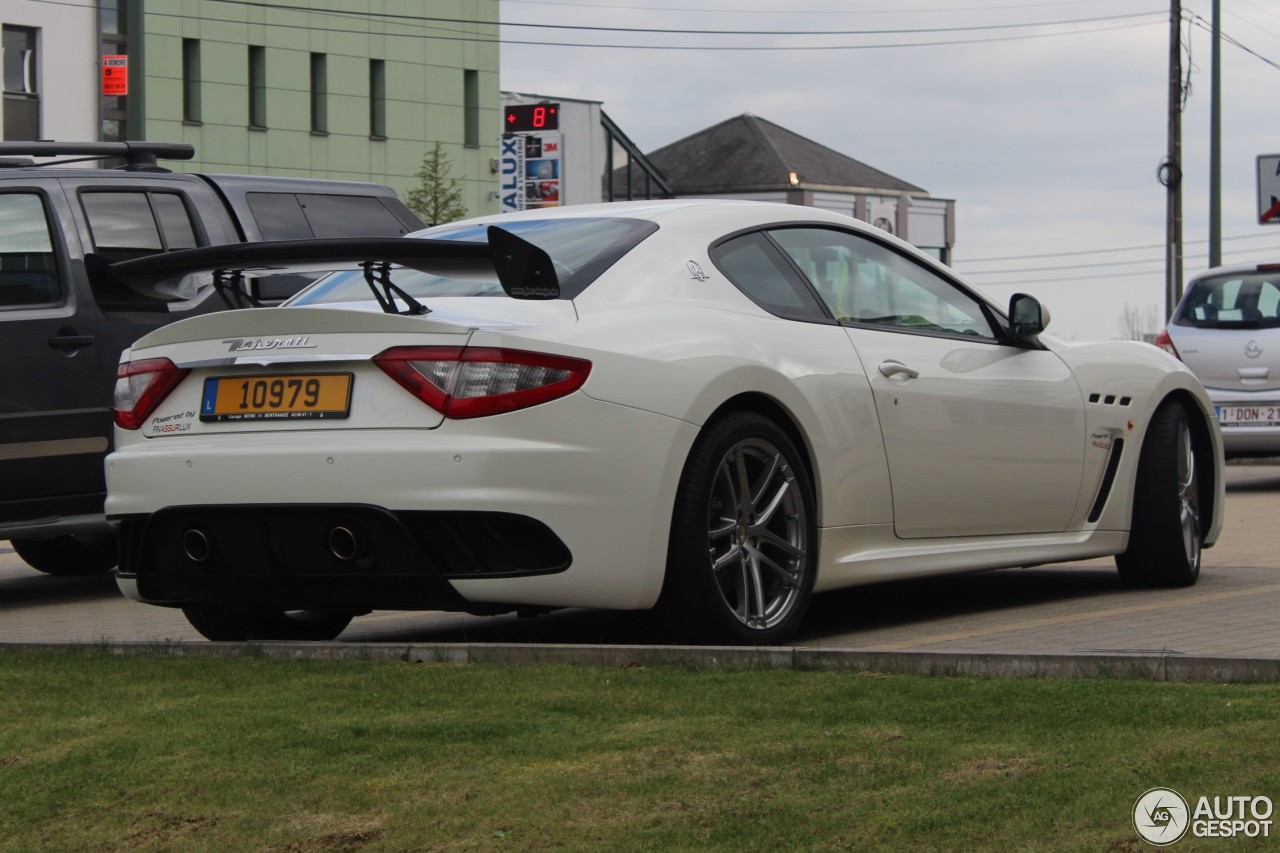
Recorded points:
(1226,330)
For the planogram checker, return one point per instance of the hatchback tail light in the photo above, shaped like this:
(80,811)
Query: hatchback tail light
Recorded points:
(1166,343)
(141,386)
(472,382)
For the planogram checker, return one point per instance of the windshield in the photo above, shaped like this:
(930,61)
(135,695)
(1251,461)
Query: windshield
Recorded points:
(1237,300)
(581,250)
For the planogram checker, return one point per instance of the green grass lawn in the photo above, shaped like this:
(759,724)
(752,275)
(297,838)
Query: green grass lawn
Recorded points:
(100,752)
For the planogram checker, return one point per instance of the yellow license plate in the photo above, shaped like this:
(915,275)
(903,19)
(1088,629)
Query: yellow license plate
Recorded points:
(276,397)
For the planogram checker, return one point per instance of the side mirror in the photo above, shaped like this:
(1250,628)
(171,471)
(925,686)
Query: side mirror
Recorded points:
(1027,316)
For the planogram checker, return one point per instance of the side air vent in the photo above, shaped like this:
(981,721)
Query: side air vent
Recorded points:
(1108,480)
(1110,400)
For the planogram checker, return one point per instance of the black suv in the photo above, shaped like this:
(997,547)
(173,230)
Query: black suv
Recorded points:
(64,320)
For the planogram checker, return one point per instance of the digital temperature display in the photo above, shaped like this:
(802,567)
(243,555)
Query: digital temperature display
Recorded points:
(526,117)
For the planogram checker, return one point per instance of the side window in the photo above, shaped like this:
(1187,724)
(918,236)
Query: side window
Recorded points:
(864,282)
(753,264)
(28,263)
(175,222)
(1269,300)
(279,216)
(285,216)
(350,216)
(127,225)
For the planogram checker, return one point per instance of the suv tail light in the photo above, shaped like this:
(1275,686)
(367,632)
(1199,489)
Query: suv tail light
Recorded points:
(472,382)
(141,386)
(1166,343)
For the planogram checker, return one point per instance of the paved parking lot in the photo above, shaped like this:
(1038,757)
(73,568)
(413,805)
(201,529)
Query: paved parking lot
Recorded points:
(1074,609)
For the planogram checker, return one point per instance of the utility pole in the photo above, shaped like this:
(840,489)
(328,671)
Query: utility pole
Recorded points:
(1215,141)
(1171,169)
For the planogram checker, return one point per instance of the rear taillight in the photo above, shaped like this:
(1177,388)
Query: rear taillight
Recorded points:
(471,382)
(141,386)
(1166,343)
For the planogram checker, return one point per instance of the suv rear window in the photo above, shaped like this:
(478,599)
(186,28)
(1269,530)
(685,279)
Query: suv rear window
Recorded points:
(1238,300)
(301,216)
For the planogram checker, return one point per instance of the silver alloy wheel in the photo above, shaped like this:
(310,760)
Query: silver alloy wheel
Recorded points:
(1188,496)
(758,534)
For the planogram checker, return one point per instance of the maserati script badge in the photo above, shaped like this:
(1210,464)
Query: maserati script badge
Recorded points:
(248,344)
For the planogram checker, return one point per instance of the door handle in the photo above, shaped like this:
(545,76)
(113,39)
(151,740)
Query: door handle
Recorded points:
(66,343)
(898,371)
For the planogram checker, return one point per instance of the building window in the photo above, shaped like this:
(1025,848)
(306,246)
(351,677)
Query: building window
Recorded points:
(113,31)
(257,86)
(191,80)
(21,94)
(471,107)
(377,99)
(319,93)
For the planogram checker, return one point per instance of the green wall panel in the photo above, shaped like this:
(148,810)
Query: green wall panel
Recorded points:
(424,89)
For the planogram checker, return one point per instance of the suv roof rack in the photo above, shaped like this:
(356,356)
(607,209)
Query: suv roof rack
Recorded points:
(137,156)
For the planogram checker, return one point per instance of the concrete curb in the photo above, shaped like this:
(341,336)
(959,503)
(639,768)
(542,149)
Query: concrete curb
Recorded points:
(1153,667)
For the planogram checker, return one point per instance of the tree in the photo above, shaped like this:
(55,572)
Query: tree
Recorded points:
(438,197)
(1139,323)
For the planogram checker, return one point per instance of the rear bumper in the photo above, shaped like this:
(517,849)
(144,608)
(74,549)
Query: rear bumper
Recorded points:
(324,556)
(597,478)
(1245,441)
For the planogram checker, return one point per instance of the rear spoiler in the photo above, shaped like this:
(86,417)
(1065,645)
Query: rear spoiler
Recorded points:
(524,270)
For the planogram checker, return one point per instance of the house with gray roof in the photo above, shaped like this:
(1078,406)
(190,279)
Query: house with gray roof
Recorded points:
(749,157)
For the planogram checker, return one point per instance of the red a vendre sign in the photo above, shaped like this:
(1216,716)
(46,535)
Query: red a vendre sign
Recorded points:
(115,75)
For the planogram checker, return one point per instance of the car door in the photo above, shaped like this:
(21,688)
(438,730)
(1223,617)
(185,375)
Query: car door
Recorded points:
(982,436)
(51,442)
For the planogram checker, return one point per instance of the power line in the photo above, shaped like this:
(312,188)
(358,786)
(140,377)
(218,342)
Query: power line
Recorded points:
(791,12)
(260,4)
(830,32)
(1204,25)
(483,39)
(1076,252)
(428,20)
(1133,274)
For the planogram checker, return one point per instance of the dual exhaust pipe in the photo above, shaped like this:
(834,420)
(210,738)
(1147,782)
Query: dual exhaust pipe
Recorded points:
(342,541)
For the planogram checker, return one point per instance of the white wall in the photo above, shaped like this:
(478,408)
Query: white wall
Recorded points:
(67,74)
(582,158)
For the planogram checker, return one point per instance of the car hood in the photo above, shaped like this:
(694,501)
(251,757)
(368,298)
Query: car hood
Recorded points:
(1230,359)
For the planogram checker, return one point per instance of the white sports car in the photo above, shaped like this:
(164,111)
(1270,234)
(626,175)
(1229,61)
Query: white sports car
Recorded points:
(709,408)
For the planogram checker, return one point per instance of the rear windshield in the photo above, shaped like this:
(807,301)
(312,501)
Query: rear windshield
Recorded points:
(581,249)
(1240,300)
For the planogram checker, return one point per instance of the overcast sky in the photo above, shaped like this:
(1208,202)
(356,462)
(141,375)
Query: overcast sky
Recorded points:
(1047,137)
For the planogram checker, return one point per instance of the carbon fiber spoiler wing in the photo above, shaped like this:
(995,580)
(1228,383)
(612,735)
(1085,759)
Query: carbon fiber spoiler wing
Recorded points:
(524,270)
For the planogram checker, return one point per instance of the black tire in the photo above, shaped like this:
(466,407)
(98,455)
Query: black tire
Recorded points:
(240,622)
(740,569)
(1166,535)
(76,554)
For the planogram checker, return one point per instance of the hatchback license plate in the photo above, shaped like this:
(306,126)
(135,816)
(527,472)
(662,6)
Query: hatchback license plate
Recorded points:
(1263,416)
(276,397)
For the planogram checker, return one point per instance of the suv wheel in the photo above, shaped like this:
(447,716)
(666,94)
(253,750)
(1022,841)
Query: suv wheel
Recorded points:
(240,622)
(76,554)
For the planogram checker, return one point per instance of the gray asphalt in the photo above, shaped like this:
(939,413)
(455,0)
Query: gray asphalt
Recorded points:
(1051,612)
